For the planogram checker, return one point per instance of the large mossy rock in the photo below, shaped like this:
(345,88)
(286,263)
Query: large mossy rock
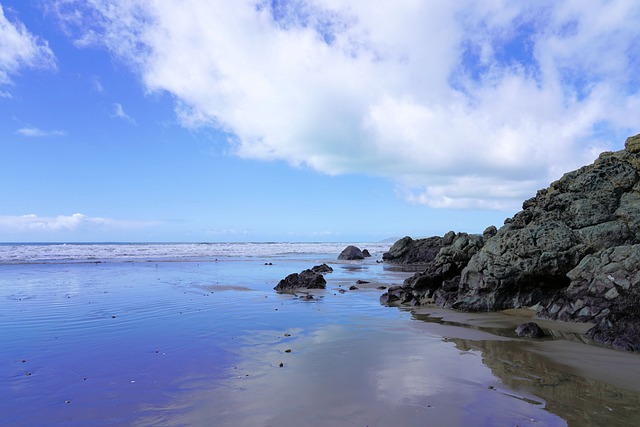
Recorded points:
(527,261)
(573,252)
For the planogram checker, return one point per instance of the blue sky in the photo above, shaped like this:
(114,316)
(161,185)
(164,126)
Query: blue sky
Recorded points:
(319,120)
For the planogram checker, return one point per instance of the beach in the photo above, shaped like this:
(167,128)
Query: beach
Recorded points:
(205,340)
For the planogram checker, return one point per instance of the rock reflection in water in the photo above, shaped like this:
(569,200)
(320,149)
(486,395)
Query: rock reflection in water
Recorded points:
(579,400)
(583,384)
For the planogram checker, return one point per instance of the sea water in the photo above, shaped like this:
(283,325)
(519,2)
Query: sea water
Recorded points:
(193,334)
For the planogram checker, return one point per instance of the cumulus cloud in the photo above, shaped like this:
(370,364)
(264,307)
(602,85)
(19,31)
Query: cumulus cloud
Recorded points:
(19,49)
(75,222)
(34,132)
(463,104)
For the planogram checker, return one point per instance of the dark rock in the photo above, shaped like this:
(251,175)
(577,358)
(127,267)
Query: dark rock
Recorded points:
(620,328)
(361,282)
(529,330)
(351,253)
(632,144)
(322,268)
(527,261)
(307,279)
(410,251)
(353,288)
(489,232)
(366,253)
(605,290)
(573,251)
(453,256)
(399,295)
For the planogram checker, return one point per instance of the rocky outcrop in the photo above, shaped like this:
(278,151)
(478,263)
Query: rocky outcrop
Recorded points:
(410,251)
(527,261)
(632,144)
(351,253)
(573,252)
(307,279)
(322,268)
(605,290)
(442,272)
(366,253)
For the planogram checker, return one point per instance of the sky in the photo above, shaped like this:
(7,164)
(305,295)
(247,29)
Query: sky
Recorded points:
(301,120)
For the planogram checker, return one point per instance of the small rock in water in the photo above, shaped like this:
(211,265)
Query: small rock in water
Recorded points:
(361,282)
(281,364)
(353,288)
(351,253)
(306,279)
(322,268)
(530,330)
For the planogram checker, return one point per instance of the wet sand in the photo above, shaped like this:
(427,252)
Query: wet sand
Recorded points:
(565,343)
(212,344)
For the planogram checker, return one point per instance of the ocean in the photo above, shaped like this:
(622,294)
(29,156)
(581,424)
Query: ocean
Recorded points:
(194,335)
(25,253)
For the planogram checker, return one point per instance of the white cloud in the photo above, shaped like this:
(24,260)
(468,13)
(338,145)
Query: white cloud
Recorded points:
(19,49)
(34,132)
(75,222)
(119,113)
(97,85)
(463,104)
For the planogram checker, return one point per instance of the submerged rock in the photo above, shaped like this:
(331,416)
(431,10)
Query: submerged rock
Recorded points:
(307,279)
(351,253)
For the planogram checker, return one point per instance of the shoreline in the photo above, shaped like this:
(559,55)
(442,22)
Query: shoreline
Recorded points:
(562,344)
(194,344)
